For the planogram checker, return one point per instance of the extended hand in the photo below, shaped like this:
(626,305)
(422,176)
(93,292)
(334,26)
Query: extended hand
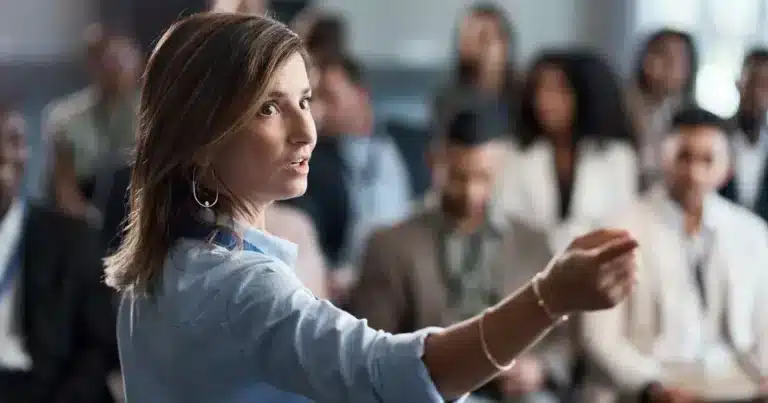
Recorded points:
(596,272)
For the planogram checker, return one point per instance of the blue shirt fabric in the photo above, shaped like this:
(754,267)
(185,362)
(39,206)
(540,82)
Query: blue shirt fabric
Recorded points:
(236,326)
(378,185)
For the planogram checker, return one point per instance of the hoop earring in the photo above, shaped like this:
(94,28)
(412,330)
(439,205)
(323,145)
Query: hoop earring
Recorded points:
(207,204)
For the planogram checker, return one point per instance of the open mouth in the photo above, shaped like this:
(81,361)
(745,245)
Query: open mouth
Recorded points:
(300,161)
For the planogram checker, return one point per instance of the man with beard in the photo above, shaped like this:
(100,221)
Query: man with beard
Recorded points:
(57,324)
(694,328)
(444,263)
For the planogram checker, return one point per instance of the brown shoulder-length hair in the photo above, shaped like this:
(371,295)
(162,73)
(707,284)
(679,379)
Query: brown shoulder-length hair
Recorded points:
(202,83)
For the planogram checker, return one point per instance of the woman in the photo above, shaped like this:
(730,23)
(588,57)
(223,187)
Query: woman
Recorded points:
(211,311)
(483,72)
(574,161)
(664,81)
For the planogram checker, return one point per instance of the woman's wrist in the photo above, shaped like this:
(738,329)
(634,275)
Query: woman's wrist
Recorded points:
(551,296)
(523,307)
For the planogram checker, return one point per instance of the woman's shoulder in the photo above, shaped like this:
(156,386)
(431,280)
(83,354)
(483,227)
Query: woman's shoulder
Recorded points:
(195,257)
(211,278)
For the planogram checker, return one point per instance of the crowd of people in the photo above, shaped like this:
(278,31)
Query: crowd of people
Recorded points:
(518,163)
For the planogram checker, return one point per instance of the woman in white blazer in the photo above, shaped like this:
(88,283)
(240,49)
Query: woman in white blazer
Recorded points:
(574,160)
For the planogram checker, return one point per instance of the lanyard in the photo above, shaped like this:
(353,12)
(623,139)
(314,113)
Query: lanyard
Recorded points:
(471,263)
(217,234)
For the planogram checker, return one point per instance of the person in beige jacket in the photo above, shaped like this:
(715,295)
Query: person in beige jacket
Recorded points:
(695,327)
(458,256)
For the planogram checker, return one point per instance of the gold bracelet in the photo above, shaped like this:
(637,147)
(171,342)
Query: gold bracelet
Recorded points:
(487,351)
(540,300)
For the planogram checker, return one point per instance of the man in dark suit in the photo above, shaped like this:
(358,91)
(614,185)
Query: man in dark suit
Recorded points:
(57,340)
(749,184)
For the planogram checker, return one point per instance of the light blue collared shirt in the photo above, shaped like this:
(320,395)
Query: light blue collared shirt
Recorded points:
(379,188)
(238,326)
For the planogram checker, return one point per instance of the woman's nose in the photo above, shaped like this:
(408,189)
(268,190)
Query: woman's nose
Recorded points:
(304,130)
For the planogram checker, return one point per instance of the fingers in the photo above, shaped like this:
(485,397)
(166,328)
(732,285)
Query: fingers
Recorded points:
(614,249)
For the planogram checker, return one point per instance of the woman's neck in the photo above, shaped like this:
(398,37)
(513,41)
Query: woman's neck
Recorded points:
(561,141)
(252,214)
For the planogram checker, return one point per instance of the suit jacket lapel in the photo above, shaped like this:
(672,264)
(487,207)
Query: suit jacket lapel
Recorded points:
(37,283)
(429,287)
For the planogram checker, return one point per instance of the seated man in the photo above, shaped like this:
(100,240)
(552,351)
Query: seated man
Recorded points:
(57,324)
(454,259)
(696,326)
(93,131)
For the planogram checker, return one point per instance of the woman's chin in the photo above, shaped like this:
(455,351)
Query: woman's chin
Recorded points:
(292,190)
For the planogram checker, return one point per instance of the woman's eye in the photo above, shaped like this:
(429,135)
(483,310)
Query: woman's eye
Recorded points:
(305,103)
(269,109)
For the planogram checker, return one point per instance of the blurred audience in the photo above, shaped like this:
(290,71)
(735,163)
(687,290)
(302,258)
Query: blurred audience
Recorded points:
(664,81)
(458,256)
(694,329)
(513,167)
(574,143)
(483,72)
(94,129)
(748,184)
(57,324)
(324,32)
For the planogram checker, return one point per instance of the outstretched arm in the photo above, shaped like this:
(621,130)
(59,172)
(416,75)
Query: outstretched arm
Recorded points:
(308,346)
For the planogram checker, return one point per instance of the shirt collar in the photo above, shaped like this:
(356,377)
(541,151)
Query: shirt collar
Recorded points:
(673,214)
(496,222)
(269,244)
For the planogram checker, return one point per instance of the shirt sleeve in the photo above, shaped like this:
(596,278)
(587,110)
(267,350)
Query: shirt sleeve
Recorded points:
(307,346)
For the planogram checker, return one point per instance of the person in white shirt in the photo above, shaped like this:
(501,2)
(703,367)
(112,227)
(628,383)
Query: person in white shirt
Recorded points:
(663,82)
(749,184)
(695,327)
(574,161)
